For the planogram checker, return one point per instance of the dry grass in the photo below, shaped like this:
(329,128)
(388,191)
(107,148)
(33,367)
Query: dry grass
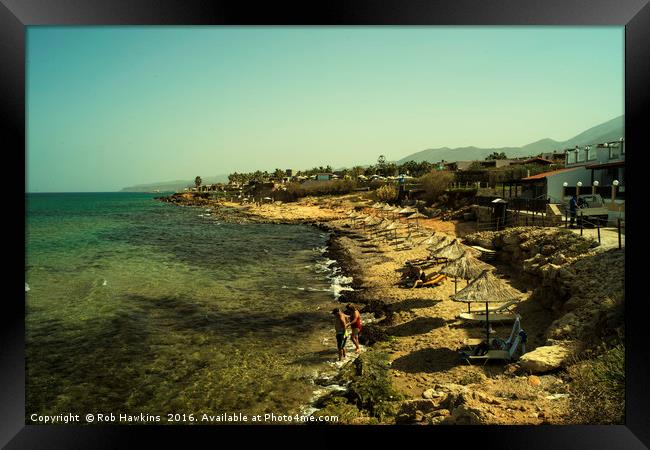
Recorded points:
(597,388)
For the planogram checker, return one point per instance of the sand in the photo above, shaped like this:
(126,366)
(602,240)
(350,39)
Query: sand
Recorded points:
(427,335)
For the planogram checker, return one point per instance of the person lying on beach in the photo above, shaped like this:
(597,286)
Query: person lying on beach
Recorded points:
(423,279)
(340,325)
(411,273)
(355,324)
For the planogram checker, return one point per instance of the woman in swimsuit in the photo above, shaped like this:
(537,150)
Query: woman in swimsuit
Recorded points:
(355,324)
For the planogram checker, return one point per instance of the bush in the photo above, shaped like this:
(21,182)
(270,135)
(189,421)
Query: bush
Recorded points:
(295,191)
(597,388)
(373,390)
(435,183)
(386,193)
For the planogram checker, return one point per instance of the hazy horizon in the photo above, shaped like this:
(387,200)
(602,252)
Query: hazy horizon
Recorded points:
(110,107)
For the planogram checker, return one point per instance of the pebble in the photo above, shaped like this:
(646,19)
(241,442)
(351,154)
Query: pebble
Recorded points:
(534,380)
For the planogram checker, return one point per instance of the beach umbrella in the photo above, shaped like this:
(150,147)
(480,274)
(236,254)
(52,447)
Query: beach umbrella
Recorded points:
(361,218)
(429,240)
(486,288)
(417,216)
(390,209)
(369,221)
(392,227)
(451,251)
(394,211)
(441,240)
(381,226)
(466,267)
(353,216)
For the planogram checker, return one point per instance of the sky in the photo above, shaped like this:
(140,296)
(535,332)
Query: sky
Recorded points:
(110,107)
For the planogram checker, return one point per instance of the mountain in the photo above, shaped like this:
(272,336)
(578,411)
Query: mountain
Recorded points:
(611,130)
(175,186)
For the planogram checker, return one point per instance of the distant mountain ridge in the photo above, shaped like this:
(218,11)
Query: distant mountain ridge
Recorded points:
(611,130)
(174,186)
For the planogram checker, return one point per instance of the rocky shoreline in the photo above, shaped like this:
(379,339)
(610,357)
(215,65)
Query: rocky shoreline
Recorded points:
(411,372)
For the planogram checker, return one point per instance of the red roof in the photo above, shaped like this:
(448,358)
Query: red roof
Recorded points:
(539,176)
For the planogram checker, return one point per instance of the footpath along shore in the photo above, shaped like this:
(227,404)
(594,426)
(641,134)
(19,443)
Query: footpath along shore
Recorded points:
(419,331)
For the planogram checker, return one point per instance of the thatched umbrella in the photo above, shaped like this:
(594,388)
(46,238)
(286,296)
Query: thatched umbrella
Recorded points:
(352,215)
(381,226)
(392,227)
(466,267)
(430,240)
(486,288)
(416,216)
(395,211)
(370,221)
(451,251)
(357,216)
(442,240)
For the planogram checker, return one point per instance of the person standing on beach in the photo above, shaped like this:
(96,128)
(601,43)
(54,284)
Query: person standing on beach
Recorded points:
(573,208)
(355,324)
(340,325)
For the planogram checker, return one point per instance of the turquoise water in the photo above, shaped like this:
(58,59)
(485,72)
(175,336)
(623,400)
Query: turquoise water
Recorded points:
(133,305)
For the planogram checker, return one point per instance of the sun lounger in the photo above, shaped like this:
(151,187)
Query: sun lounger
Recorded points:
(509,347)
(498,309)
(475,317)
(435,280)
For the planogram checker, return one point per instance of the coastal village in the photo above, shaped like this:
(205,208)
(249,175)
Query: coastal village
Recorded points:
(483,301)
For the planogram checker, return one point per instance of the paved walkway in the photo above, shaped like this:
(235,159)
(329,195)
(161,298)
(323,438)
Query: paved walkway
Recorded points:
(608,236)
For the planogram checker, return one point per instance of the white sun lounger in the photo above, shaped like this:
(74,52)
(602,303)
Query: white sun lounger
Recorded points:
(496,317)
(511,345)
(498,309)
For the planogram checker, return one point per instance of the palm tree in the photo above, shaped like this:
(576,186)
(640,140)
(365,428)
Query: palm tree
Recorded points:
(197,182)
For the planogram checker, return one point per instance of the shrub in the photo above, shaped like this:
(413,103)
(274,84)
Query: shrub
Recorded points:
(435,183)
(386,193)
(373,390)
(597,388)
(295,191)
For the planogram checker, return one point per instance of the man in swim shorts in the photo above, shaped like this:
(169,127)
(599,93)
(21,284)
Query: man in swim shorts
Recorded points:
(340,325)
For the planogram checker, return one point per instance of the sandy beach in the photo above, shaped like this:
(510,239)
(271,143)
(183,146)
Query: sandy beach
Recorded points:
(424,334)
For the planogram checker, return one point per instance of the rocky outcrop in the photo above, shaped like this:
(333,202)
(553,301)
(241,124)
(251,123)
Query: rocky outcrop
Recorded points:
(584,289)
(549,357)
(521,243)
(447,404)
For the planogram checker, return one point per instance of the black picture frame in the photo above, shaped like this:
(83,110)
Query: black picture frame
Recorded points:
(15,15)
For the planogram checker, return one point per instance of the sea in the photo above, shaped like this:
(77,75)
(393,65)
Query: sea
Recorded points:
(135,306)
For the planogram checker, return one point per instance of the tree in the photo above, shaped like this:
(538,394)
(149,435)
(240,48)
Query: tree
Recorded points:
(381,165)
(197,182)
(435,183)
(496,155)
(278,174)
(356,171)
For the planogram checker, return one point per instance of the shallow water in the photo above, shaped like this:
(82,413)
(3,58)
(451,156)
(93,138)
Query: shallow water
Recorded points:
(133,305)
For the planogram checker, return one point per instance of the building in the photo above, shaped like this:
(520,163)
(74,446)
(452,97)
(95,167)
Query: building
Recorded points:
(538,160)
(325,176)
(606,165)
(558,157)
(550,185)
(600,168)
(484,164)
